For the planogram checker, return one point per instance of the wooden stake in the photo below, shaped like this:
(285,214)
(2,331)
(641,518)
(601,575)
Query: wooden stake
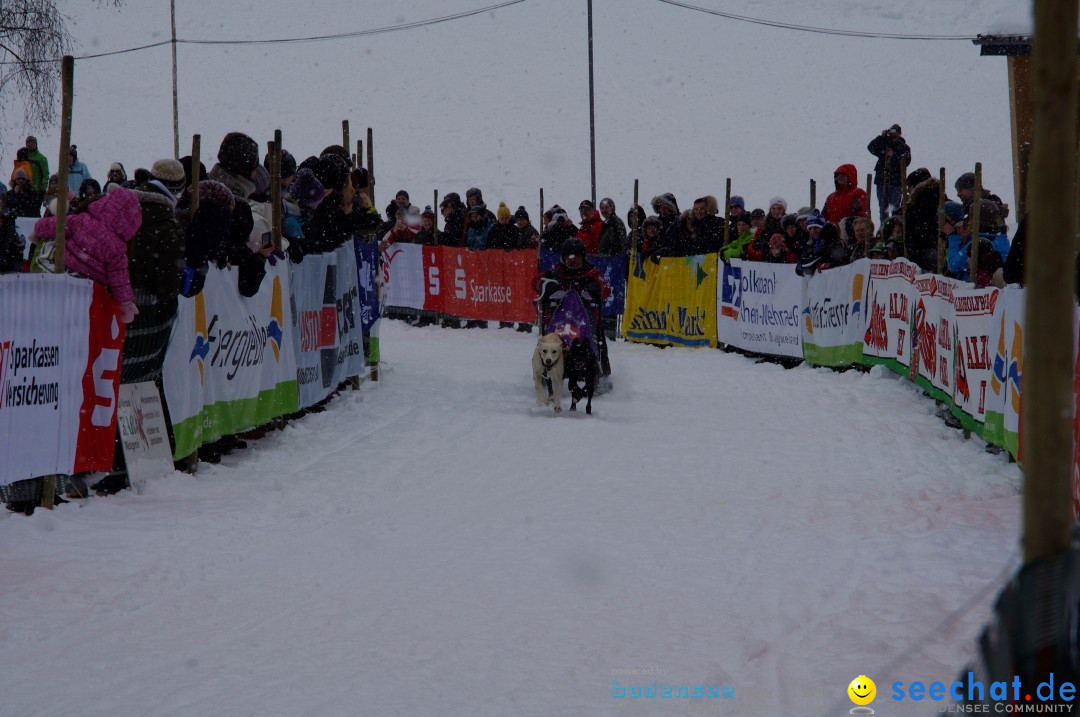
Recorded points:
(371,167)
(976,211)
(345,134)
(870,216)
(903,204)
(68,79)
(1047,418)
(542,227)
(196,175)
(275,189)
(813,194)
(942,245)
(727,211)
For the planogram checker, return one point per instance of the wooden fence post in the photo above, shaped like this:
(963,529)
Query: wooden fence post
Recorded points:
(975,214)
(813,194)
(196,174)
(942,245)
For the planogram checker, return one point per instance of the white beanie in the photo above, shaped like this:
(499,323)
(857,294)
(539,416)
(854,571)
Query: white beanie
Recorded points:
(778,200)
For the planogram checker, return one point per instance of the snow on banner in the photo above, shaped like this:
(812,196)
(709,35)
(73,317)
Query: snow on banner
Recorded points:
(977,317)
(673,302)
(230,363)
(759,307)
(834,315)
(328,340)
(613,269)
(891,296)
(933,326)
(60,345)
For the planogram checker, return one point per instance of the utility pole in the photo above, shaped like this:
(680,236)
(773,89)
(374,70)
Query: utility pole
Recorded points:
(175,101)
(592,113)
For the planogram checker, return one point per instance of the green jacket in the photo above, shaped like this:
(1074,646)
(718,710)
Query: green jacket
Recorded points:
(734,248)
(40,180)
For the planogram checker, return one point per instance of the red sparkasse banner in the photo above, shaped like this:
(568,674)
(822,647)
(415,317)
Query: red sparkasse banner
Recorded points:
(489,284)
(100,385)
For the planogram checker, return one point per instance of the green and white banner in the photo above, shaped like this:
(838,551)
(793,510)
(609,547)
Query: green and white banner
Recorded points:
(834,315)
(230,364)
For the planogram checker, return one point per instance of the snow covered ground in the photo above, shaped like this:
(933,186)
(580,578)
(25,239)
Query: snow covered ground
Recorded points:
(434,544)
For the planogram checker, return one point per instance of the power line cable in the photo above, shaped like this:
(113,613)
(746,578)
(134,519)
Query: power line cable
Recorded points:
(314,38)
(818,30)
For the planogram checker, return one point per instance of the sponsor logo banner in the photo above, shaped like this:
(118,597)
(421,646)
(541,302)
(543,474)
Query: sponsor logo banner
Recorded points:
(892,296)
(673,302)
(490,284)
(978,314)
(1003,401)
(934,328)
(60,342)
(143,435)
(760,307)
(230,364)
(367,278)
(834,315)
(325,300)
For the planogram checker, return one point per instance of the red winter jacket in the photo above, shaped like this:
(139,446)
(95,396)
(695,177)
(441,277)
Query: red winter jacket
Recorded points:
(847,202)
(592,226)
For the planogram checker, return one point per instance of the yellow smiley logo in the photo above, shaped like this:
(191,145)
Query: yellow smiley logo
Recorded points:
(862,690)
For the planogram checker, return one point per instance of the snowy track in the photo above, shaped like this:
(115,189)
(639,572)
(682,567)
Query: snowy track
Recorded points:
(436,545)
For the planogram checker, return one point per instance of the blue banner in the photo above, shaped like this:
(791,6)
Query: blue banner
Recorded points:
(612,267)
(367,274)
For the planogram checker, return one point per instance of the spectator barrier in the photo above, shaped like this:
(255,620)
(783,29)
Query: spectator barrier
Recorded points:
(60,344)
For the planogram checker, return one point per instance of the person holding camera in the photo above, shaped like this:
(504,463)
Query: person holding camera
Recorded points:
(892,152)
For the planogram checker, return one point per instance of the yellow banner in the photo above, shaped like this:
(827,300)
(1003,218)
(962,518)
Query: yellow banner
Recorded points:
(673,302)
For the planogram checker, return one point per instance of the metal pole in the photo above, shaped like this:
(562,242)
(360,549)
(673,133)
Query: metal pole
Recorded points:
(592,114)
(175,96)
(1048,315)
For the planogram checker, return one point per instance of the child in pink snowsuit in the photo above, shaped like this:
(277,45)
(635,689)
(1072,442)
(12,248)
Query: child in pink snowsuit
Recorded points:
(97,242)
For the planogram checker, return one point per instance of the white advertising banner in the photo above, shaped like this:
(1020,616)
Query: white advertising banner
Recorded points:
(759,308)
(143,433)
(230,364)
(325,317)
(934,328)
(978,318)
(60,344)
(403,276)
(892,298)
(834,315)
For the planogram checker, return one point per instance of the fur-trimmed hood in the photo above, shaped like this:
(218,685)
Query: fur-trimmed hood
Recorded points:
(667,199)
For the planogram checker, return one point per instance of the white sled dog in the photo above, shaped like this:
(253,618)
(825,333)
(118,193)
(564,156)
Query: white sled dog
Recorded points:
(548,364)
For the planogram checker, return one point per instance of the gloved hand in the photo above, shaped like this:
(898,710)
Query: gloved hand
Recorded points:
(655,258)
(273,256)
(128,311)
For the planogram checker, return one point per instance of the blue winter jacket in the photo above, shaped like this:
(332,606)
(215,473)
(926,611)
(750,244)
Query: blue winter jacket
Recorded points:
(959,261)
(77,174)
(477,235)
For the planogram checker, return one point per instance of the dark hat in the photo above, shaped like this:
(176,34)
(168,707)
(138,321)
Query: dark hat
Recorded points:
(186,163)
(757,213)
(954,212)
(238,154)
(919,176)
(306,189)
(474,192)
(209,190)
(896,128)
(401,192)
(738,201)
(288,164)
(521,214)
(338,151)
(329,171)
(452,200)
(788,220)
(170,173)
(478,208)
(990,215)
(262,179)
(965,181)
(744,217)
(586,204)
